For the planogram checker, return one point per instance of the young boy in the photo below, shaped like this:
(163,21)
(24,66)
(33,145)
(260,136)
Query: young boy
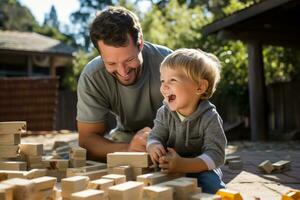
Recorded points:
(187,135)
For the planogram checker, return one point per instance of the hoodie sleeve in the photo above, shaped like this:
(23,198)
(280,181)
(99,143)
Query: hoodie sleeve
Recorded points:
(160,131)
(214,140)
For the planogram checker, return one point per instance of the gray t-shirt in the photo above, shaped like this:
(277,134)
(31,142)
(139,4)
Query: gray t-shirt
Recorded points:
(134,106)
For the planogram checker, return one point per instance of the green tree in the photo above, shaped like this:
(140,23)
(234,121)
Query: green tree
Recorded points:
(14,16)
(51,18)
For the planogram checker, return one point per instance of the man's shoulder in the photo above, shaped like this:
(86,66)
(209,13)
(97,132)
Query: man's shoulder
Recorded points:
(155,49)
(94,66)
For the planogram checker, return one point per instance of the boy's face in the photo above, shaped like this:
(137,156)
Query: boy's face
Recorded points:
(179,91)
(124,63)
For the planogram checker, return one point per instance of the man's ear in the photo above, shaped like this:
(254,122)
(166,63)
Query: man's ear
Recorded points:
(203,85)
(141,44)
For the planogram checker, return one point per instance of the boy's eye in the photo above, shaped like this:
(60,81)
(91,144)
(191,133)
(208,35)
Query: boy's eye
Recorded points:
(173,80)
(162,81)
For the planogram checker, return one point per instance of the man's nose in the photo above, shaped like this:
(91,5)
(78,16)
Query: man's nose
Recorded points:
(122,70)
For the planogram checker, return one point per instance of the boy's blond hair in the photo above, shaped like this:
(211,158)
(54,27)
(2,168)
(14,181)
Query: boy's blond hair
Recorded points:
(197,65)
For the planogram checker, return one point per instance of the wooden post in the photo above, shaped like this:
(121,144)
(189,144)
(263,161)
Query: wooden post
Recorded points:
(52,67)
(29,66)
(257,92)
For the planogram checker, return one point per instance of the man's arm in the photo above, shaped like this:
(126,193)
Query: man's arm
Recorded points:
(91,137)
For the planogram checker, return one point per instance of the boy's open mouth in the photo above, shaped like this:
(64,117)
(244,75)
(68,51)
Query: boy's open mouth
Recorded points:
(171,98)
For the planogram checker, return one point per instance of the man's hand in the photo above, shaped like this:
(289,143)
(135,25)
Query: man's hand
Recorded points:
(171,162)
(156,151)
(139,141)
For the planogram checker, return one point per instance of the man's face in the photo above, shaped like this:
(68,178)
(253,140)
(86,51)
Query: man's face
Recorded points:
(124,63)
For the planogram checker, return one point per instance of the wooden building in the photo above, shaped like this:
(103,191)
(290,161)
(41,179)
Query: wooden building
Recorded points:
(29,82)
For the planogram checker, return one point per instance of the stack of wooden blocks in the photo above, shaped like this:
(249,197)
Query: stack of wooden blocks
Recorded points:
(10,137)
(33,153)
(77,157)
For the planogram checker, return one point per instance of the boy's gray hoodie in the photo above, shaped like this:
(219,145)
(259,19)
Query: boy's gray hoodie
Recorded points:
(200,133)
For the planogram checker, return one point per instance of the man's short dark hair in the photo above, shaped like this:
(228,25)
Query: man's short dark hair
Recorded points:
(113,25)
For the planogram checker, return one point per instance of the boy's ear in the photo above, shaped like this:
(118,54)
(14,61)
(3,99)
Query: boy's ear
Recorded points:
(203,85)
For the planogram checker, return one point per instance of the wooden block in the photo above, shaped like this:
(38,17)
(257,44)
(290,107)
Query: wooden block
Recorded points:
(10,139)
(3,176)
(59,174)
(23,189)
(31,149)
(89,194)
(193,180)
(157,193)
(93,175)
(12,127)
(155,178)
(230,158)
(8,174)
(282,165)
(134,159)
(6,192)
(77,163)
(77,153)
(33,159)
(235,164)
(266,166)
(35,173)
(57,164)
(58,144)
(182,188)
(13,165)
(101,184)
(126,191)
(73,184)
(117,178)
(47,194)
(124,170)
(136,171)
(36,166)
(9,151)
(44,183)
(229,194)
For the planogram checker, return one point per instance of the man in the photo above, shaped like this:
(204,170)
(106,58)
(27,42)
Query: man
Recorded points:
(124,81)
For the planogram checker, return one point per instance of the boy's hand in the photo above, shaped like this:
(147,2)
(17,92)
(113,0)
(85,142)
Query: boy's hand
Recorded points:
(156,151)
(171,162)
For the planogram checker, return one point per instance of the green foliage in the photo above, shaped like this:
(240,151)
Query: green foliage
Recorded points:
(13,16)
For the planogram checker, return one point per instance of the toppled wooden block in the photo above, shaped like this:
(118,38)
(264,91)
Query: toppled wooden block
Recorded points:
(117,178)
(6,192)
(10,139)
(73,184)
(157,192)
(123,170)
(88,194)
(136,171)
(58,144)
(12,127)
(77,153)
(126,191)
(282,166)
(13,165)
(155,178)
(9,151)
(44,183)
(231,158)
(31,149)
(23,189)
(8,174)
(235,164)
(134,159)
(229,194)
(101,184)
(266,166)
